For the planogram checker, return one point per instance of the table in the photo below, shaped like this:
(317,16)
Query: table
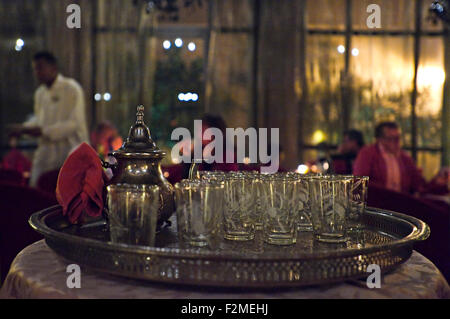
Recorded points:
(38,272)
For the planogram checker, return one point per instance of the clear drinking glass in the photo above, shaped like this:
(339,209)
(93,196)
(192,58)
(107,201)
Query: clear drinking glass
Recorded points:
(199,206)
(255,189)
(330,204)
(304,210)
(237,215)
(303,206)
(279,204)
(133,213)
(358,201)
(257,193)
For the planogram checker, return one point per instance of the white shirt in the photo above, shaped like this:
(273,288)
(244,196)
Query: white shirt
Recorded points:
(60,112)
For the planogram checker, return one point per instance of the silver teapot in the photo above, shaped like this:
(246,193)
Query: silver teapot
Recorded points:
(138,161)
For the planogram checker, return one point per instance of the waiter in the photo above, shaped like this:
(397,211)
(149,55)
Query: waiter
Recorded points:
(59,119)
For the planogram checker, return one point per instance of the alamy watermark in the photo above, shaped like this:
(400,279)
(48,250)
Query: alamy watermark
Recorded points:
(74,279)
(216,152)
(74,19)
(374,279)
(374,19)
(256,151)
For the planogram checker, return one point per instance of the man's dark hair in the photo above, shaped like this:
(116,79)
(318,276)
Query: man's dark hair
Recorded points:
(216,121)
(356,136)
(379,129)
(47,57)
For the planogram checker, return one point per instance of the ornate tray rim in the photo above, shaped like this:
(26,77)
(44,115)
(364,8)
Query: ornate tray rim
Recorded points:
(419,231)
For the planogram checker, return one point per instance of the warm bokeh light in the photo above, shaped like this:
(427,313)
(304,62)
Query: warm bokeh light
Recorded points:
(430,76)
(318,137)
(186,97)
(20,42)
(178,43)
(192,46)
(98,97)
(167,44)
(302,169)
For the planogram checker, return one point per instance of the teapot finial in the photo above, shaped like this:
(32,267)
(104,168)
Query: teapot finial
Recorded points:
(140,114)
(139,139)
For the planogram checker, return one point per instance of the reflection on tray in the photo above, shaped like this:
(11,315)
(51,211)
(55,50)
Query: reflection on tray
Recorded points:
(168,238)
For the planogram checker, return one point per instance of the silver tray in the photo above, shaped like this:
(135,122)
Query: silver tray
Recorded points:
(387,240)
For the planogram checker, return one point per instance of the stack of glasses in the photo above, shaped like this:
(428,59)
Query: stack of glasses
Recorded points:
(234,205)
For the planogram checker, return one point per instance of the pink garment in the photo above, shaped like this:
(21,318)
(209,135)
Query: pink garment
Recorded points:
(370,162)
(16,161)
(393,176)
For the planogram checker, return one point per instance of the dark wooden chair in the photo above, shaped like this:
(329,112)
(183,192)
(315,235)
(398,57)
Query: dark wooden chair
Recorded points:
(47,182)
(17,203)
(11,176)
(437,246)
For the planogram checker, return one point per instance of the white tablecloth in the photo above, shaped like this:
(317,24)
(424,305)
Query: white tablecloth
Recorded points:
(38,272)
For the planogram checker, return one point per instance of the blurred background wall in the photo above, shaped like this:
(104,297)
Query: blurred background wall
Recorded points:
(310,67)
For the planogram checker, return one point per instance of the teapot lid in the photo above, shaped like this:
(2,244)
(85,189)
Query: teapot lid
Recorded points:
(139,142)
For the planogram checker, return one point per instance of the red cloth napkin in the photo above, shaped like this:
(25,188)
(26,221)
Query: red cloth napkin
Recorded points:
(80,185)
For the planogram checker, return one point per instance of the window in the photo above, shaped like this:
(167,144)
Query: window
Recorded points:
(380,64)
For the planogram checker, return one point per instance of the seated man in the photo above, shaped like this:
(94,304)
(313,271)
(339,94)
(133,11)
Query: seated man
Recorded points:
(347,152)
(386,164)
